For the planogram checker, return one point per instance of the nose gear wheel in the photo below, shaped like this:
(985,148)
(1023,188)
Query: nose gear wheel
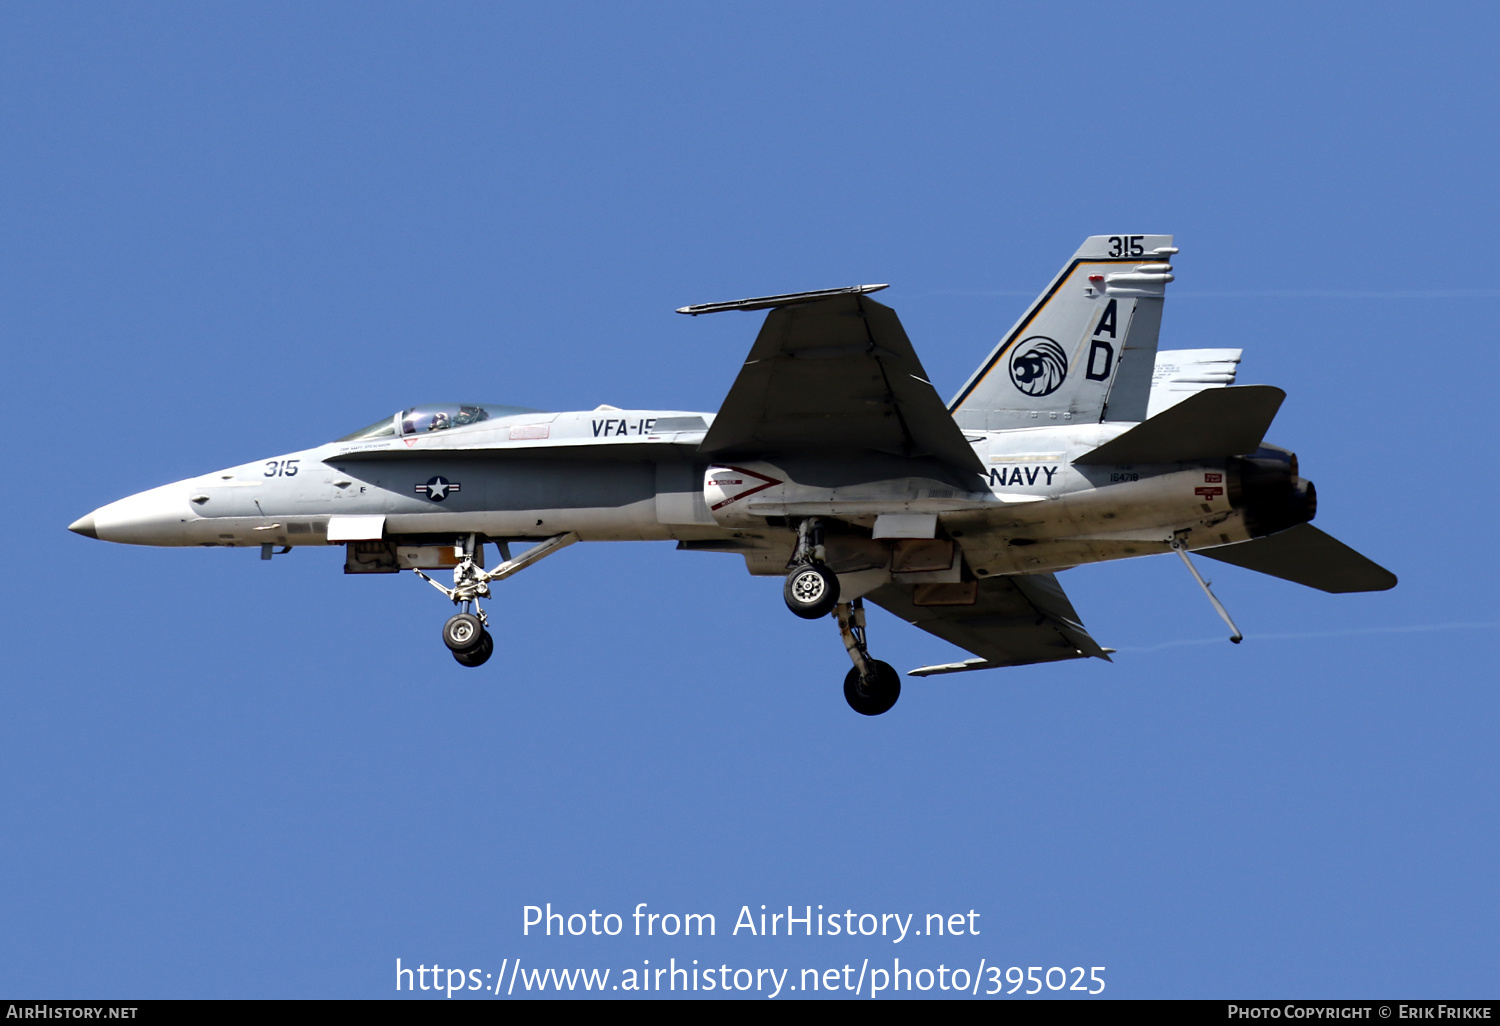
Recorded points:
(477,655)
(463,632)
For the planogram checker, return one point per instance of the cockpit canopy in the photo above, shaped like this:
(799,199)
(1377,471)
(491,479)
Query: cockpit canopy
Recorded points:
(419,420)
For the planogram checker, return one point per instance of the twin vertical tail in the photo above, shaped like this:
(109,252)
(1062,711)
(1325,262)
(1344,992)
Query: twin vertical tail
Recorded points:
(1086,349)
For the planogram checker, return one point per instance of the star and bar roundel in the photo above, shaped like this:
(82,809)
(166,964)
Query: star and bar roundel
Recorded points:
(438,488)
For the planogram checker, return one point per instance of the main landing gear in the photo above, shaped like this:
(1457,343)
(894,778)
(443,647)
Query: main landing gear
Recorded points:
(872,686)
(812,591)
(467,632)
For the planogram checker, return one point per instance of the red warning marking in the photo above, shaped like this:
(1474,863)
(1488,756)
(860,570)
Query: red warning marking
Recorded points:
(769,482)
(1208,493)
(1213,478)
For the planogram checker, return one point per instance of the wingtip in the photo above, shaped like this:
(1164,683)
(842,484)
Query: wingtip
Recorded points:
(784,299)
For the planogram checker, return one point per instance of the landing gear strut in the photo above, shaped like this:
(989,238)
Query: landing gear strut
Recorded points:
(872,686)
(811,589)
(466,633)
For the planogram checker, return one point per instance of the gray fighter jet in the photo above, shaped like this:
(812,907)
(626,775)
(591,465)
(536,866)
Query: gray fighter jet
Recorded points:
(832,463)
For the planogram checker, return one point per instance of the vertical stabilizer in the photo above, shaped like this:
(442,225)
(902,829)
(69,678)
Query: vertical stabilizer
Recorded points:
(1086,349)
(1184,372)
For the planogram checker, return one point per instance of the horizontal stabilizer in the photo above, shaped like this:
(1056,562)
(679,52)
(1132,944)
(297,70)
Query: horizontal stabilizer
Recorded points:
(1305,555)
(1210,425)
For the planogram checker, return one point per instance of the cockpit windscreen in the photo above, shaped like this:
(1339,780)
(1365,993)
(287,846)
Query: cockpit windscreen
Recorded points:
(419,420)
(440,417)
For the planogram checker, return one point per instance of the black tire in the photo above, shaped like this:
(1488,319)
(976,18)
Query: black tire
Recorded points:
(462,632)
(811,591)
(479,654)
(873,697)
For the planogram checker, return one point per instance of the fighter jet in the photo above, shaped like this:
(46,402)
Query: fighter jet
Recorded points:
(832,463)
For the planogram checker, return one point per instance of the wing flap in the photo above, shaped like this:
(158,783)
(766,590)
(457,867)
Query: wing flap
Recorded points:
(1305,555)
(837,374)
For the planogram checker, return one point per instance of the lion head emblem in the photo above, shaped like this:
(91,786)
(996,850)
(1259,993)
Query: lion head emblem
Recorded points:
(1038,366)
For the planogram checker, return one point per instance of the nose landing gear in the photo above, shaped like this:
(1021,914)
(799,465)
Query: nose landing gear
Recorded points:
(466,633)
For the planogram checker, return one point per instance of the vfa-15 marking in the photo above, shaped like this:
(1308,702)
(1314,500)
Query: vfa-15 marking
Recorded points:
(834,464)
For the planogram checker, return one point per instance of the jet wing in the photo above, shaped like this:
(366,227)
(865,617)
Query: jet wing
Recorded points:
(835,375)
(1013,621)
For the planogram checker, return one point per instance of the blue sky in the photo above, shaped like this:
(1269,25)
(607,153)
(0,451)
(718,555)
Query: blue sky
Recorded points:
(230,232)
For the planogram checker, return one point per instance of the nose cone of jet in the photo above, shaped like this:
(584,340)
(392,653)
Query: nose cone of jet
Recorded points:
(160,516)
